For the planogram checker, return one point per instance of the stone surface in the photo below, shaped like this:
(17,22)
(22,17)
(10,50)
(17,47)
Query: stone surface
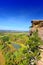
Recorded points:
(37,24)
(40,32)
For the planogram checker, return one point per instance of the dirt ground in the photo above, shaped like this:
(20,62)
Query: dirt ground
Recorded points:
(2,60)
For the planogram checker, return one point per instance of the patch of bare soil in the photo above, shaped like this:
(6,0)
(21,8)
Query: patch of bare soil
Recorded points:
(2,60)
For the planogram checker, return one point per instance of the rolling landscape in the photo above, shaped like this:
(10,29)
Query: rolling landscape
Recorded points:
(21,48)
(10,45)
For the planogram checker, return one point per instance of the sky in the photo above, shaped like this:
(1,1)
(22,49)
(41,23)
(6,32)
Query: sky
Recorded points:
(18,14)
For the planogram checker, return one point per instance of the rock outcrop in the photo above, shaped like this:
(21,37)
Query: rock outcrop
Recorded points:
(37,24)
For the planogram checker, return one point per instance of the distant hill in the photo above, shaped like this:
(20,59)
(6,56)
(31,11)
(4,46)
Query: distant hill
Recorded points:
(12,31)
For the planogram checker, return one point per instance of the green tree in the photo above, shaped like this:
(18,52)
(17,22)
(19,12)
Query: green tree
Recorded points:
(5,38)
(33,47)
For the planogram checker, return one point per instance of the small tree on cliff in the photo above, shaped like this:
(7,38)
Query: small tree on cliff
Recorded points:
(33,47)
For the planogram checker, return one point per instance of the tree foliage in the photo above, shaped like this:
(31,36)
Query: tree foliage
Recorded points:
(24,56)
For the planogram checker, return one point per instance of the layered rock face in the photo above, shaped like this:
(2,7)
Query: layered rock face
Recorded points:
(38,24)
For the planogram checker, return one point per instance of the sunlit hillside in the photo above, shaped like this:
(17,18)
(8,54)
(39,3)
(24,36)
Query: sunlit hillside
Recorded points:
(19,48)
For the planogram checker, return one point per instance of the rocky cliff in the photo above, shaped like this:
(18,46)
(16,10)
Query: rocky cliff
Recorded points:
(37,24)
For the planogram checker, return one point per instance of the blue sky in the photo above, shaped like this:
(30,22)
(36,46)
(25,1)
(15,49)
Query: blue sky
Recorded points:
(17,14)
